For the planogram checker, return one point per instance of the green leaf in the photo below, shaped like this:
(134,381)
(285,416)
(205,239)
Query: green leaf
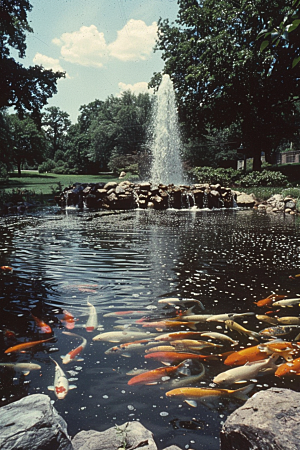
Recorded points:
(295,62)
(264,44)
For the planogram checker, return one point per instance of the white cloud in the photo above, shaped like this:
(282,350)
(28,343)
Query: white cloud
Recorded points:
(137,88)
(48,63)
(88,47)
(134,42)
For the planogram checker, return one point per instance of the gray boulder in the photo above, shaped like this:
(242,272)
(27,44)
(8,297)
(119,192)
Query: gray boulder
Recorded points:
(129,435)
(32,423)
(243,199)
(267,421)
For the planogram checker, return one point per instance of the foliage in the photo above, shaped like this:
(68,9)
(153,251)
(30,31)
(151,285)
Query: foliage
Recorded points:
(292,191)
(264,178)
(56,124)
(47,166)
(3,172)
(27,89)
(225,177)
(221,77)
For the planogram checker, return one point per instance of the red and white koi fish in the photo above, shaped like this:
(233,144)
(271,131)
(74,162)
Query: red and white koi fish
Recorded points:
(68,320)
(88,288)
(123,313)
(92,322)
(61,384)
(43,327)
(25,345)
(268,301)
(73,354)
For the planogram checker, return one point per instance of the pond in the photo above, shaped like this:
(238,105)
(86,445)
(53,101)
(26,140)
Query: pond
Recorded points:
(128,261)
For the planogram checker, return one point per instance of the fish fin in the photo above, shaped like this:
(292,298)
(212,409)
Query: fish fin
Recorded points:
(192,403)
(234,343)
(79,359)
(159,329)
(189,311)
(50,388)
(240,382)
(25,372)
(166,363)
(126,355)
(192,325)
(72,386)
(151,383)
(62,356)
(242,393)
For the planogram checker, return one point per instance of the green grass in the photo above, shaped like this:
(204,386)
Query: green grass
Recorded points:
(264,193)
(45,184)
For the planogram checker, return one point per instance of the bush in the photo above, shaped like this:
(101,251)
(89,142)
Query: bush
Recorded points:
(3,173)
(264,178)
(225,177)
(47,166)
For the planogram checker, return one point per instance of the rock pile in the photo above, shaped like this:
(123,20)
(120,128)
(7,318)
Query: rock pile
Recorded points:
(126,195)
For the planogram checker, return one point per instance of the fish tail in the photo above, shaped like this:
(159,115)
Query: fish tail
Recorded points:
(242,393)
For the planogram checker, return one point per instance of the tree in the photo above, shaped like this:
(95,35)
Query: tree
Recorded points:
(56,124)
(221,77)
(26,141)
(26,89)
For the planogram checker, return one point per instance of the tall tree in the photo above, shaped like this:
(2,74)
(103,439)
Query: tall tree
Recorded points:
(26,89)
(26,140)
(213,56)
(56,124)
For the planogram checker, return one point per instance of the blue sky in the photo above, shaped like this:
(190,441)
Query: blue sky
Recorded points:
(104,46)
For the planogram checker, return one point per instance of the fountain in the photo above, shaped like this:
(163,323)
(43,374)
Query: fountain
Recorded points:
(165,142)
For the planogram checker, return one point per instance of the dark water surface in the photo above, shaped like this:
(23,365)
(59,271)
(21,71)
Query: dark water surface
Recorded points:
(227,259)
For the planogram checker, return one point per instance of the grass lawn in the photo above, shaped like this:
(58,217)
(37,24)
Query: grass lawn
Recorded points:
(45,184)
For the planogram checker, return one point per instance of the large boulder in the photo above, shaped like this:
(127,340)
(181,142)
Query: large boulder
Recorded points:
(243,199)
(267,421)
(32,423)
(129,435)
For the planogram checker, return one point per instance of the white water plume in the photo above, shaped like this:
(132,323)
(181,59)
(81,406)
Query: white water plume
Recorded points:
(165,140)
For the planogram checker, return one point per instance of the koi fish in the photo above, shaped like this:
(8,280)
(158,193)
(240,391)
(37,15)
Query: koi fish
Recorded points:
(289,368)
(7,269)
(188,379)
(127,347)
(192,345)
(173,357)
(249,354)
(179,335)
(123,313)
(160,325)
(191,394)
(88,288)
(232,325)
(156,375)
(122,336)
(68,320)
(196,317)
(280,330)
(161,348)
(220,336)
(23,367)
(268,319)
(268,301)
(25,345)
(289,320)
(171,301)
(92,322)
(61,384)
(73,354)
(285,349)
(289,302)
(227,316)
(43,327)
(246,372)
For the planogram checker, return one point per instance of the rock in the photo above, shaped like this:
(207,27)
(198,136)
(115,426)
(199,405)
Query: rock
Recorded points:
(261,207)
(267,421)
(32,423)
(290,204)
(122,174)
(243,199)
(110,185)
(129,435)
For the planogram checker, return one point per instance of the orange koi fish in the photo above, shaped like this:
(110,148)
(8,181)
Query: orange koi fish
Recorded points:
(25,345)
(43,327)
(7,269)
(173,357)
(179,335)
(289,368)
(156,375)
(269,300)
(161,324)
(68,320)
(249,354)
(73,354)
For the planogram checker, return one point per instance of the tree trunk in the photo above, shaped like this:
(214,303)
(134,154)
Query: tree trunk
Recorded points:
(19,169)
(257,161)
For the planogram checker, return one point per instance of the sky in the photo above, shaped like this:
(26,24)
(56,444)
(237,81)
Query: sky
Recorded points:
(104,46)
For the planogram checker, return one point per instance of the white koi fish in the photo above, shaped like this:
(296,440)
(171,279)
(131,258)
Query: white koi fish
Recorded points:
(289,302)
(122,336)
(246,372)
(61,384)
(22,367)
(73,354)
(92,322)
(228,316)
(220,336)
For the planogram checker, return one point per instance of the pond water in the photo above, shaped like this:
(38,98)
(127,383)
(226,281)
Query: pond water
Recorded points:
(125,261)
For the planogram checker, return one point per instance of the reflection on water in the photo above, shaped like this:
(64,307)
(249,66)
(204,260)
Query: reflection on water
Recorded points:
(128,261)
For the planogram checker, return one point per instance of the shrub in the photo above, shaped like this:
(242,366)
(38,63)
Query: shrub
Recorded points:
(47,166)
(225,177)
(3,173)
(264,178)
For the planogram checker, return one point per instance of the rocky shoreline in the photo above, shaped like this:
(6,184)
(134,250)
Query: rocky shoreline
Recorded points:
(269,420)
